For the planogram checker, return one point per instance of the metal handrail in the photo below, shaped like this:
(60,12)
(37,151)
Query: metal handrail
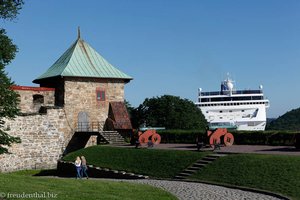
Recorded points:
(88,127)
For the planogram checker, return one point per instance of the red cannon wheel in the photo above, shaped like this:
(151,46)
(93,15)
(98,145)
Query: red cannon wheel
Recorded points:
(156,138)
(214,139)
(228,139)
(143,140)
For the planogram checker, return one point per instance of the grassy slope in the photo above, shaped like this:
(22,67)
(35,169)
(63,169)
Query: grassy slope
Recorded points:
(280,174)
(152,162)
(69,189)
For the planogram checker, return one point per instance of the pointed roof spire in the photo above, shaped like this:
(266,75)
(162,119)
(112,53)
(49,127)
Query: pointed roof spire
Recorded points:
(78,33)
(81,60)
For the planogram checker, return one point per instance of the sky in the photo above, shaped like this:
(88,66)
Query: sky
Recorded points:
(170,47)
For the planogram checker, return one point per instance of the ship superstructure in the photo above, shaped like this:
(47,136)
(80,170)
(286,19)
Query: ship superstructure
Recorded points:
(231,108)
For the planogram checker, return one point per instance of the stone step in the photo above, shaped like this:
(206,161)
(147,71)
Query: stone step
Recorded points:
(118,144)
(116,139)
(116,136)
(199,165)
(204,162)
(184,174)
(112,140)
(109,135)
(217,155)
(188,170)
(207,158)
(112,137)
(195,168)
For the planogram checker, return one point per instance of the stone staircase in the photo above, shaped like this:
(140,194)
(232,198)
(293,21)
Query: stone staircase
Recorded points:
(112,137)
(198,165)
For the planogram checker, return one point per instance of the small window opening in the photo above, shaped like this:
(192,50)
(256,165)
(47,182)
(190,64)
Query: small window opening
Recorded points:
(38,99)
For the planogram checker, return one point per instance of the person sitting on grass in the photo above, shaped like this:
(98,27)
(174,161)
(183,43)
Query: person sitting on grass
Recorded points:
(83,167)
(78,166)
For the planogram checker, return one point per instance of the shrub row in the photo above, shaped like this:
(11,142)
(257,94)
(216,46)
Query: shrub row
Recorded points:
(179,136)
(264,137)
(240,137)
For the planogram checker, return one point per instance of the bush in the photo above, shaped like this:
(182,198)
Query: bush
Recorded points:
(180,136)
(240,137)
(264,137)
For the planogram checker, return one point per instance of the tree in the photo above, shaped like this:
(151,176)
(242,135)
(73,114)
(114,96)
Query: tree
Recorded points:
(169,111)
(289,121)
(10,8)
(129,107)
(8,98)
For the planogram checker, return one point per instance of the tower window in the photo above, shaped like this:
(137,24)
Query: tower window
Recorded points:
(100,94)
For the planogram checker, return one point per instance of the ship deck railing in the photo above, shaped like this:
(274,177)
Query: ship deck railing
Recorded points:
(233,92)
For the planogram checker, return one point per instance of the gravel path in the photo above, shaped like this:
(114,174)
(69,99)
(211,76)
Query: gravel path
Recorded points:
(197,191)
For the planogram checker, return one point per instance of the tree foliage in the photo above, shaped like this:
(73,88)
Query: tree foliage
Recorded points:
(10,8)
(8,98)
(288,121)
(169,111)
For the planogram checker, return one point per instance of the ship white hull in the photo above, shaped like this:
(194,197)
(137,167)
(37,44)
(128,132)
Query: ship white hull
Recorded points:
(250,117)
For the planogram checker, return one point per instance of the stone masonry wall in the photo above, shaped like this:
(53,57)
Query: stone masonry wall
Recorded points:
(45,136)
(81,96)
(27,103)
(43,141)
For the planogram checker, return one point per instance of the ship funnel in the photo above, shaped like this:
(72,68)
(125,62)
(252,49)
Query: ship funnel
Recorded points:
(229,85)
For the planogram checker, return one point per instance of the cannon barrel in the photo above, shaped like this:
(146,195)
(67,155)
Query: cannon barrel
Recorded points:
(151,128)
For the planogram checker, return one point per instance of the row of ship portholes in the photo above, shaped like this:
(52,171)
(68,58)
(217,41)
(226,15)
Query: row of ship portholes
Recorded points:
(221,111)
(231,104)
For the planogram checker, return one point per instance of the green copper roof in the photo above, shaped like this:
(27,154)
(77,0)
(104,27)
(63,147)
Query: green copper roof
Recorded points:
(81,60)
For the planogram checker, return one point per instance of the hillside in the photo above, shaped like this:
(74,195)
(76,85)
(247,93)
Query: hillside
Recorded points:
(288,121)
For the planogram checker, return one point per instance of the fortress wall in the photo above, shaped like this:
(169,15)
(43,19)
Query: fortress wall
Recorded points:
(45,136)
(28,102)
(43,141)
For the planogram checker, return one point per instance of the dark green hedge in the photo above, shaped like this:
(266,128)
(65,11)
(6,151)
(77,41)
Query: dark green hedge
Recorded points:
(179,136)
(240,137)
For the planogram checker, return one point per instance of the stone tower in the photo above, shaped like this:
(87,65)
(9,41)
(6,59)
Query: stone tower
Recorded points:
(85,84)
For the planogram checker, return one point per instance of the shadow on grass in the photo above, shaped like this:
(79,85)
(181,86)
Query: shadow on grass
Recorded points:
(47,172)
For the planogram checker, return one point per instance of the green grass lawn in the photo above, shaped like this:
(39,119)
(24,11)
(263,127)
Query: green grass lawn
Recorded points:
(280,174)
(152,162)
(69,189)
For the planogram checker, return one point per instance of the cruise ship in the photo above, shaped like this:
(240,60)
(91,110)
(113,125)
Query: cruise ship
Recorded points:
(231,108)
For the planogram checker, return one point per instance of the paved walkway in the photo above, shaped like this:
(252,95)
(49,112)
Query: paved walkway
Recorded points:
(261,149)
(199,191)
